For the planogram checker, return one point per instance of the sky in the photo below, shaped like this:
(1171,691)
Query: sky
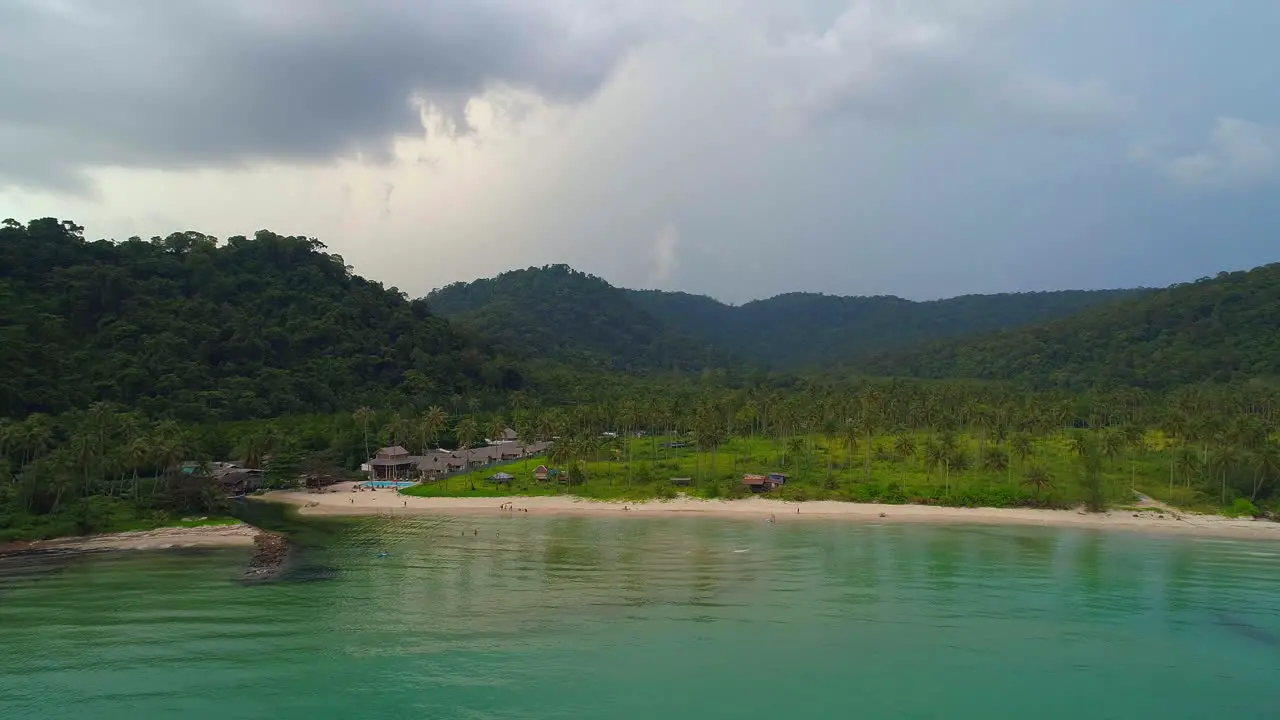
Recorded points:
(734,148)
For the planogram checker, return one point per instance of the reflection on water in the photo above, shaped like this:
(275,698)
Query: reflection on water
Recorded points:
(524,616)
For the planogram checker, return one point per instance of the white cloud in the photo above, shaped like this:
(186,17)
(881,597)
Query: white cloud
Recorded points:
(1238,153)
(1074,103)
(932,61)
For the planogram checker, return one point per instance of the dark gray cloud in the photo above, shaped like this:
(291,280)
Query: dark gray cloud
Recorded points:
(186,83)
(740,148)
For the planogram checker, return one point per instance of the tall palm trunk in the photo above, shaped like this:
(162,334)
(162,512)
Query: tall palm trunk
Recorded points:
(866,474)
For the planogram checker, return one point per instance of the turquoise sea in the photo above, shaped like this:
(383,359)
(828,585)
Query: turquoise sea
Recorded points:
(528,617)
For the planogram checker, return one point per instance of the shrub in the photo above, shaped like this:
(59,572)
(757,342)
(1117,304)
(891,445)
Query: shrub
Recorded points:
(1242,507)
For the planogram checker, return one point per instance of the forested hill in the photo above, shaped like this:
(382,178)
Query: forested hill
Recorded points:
(557,312)
(1213,330)
(809,330)
(189,327)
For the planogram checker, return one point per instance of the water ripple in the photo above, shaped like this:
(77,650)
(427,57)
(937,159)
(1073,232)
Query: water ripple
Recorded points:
(549,617)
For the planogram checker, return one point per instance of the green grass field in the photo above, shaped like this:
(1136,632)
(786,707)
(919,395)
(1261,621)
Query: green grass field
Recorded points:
(824,470)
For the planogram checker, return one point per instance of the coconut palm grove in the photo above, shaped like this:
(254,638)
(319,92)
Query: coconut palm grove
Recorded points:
(130,370)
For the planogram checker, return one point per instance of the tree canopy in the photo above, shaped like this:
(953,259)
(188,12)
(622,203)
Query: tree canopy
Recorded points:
(195,328)
(558,312)
(1212,330)
(811,330)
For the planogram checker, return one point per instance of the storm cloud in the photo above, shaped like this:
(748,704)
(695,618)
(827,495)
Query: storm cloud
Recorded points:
(738,148)
(191,83)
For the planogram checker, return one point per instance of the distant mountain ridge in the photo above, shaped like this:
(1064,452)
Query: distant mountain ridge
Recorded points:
(555,311)
(809,330)
(1213,330)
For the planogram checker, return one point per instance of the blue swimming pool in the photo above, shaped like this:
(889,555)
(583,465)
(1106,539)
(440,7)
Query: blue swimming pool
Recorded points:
(399,484)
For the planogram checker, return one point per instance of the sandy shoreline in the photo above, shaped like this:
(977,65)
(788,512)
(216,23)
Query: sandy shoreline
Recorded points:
(390,503)
(240,535)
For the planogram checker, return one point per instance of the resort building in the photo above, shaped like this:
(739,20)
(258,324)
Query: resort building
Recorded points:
(393,463)
(396,463)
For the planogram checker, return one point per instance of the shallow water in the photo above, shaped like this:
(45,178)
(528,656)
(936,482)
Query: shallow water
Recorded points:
(527,617)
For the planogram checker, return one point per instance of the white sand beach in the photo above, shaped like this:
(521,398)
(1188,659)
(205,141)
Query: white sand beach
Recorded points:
(239,535)
(387,502)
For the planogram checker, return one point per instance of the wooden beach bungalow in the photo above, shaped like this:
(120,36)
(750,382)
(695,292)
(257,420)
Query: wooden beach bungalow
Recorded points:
(541,473)
(393,462)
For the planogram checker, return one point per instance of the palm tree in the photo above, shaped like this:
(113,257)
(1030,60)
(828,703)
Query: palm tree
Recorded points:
(709,433)
(935,455)
(1266,465)
(795,447)
(497,428)
(363,416)
(84,449)
(1222,461)
(61,480)
(1081,444)
(467,432)
(563,452)
(995,459)
(433,421)
(1022,446)
(831,432)
(586,446)
(1187,462)
(1090,454)
(397,429)
(1039,479)
(138,454)
(849,434)
(904,447)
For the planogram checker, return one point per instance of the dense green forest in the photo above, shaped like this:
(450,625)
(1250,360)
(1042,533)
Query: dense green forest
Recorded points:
(810,330)
(953,443)
(557,312)
(1215,329)
(189,327)
(124,365)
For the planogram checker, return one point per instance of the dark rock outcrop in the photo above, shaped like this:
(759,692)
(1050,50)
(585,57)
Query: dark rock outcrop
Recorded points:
(270,551)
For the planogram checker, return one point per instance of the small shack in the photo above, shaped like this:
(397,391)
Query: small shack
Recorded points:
(240,481)
(764,483)
(541,473)
(501,478)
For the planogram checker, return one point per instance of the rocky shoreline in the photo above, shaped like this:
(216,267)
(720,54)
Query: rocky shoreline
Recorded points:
(270,552)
